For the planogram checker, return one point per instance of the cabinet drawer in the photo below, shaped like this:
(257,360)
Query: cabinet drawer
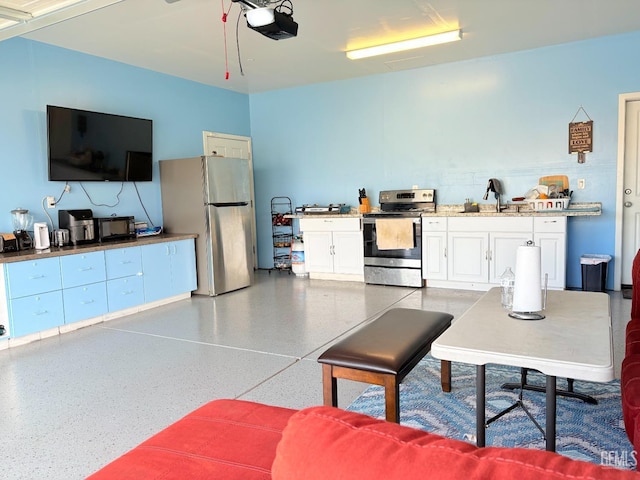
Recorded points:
(123,262)
(490,224)
(33,276)
(84,302)
(434,224)
(125,293)
(550,224)
(82,269)
(35,313)
(327,224)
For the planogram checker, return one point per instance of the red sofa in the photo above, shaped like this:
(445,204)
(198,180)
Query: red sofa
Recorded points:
(630,373)
(234,439)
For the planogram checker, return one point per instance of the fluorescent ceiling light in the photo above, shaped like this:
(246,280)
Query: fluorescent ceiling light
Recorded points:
(14,15)
(420,42)
(260,17)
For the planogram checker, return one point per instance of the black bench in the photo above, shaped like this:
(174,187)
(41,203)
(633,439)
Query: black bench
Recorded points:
(383,352)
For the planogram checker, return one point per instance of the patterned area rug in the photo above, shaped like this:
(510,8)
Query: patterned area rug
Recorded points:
(594,433)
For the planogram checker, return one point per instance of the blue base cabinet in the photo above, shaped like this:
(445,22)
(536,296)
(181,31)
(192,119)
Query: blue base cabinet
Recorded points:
(63,289)
(36,313)
(169,269)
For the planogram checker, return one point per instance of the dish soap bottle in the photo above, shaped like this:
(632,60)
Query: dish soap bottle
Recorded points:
(507,281)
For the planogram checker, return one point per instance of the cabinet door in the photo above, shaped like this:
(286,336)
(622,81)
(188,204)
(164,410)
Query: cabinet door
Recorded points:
(125,293)
(348,253)
(36,313)
(123,262)
(553,258)
(85,301)
(156,265)
(468,256)
(183,266)
(318,252)
(82,269)
(504,249)
(434,255)
(33,276)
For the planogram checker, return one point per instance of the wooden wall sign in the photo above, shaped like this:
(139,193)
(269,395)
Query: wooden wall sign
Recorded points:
(581,139)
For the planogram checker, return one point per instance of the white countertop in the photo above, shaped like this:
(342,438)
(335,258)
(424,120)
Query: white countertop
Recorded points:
(573,341)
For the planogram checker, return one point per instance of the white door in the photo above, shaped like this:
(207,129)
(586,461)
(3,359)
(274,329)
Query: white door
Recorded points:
(234,146)
(318,252)
(434,256)
(348,253)
(468,256)
(631,195)
(504,249)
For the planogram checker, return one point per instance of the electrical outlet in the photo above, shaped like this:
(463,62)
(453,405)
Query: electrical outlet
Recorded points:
(581,184)
(51,202)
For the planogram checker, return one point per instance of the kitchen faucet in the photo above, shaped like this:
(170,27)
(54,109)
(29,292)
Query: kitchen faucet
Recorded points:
(495,187)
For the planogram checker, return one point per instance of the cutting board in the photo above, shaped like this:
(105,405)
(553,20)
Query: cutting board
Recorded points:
(561,182)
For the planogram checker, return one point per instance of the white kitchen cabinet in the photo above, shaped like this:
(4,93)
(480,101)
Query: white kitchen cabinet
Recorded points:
(479,249)
(434,248)
(550,234)
(333,248)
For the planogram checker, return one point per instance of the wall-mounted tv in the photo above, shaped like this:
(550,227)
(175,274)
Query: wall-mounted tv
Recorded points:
(89,146)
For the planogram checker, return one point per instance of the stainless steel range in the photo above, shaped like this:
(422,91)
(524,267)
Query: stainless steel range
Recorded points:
(393,237)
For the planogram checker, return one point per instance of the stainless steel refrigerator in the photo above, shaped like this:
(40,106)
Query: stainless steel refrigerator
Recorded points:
(211,196)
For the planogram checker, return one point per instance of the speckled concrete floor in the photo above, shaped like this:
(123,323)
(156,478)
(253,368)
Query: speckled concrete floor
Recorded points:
(71,404)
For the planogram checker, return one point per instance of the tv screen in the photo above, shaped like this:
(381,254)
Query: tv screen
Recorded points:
(92,146)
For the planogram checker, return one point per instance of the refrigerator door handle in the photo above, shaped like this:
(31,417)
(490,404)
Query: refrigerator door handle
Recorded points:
(230,204)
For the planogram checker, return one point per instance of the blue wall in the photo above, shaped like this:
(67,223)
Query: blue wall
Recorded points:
(450,127)
(35,74)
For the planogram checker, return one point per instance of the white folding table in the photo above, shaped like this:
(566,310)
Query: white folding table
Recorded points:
(574,340)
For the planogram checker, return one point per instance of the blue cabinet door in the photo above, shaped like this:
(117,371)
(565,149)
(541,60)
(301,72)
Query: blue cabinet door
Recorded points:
(169,269)
(82,269)
(123,262)
(35,313)
(124,293)
(85,301)
(183,266)
(32,276)
(156,265)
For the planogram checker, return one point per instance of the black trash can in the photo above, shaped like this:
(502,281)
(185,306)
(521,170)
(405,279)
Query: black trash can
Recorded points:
(594,272)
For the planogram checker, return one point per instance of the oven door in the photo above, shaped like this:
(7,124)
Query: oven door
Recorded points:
(401,257)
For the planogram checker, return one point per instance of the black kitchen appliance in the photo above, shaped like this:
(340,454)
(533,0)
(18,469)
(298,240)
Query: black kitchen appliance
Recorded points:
(79,223)
(386,263)
(8,243)
(114,228)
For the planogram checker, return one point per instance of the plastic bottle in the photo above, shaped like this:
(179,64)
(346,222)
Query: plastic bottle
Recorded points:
(507,281)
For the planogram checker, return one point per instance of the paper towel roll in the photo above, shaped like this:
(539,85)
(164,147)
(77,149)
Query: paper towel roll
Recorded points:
(527,293)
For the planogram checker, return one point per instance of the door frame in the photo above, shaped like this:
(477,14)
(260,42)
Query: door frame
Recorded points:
(623,99)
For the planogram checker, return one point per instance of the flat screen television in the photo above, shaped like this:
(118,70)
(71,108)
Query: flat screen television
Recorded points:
(89,146)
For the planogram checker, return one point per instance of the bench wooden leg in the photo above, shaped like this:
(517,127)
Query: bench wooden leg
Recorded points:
(445,375)
(329,386)
(392,398)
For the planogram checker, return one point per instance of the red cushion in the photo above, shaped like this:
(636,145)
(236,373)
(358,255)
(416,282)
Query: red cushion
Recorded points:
(632,340)
(224,439)
(635,280)
(630,393)
(322,443)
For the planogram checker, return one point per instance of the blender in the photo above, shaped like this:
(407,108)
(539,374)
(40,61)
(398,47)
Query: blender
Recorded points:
(21,223)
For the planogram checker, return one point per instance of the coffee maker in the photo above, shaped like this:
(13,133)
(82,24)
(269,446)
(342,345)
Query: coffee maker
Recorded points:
(22,222)
(79,223)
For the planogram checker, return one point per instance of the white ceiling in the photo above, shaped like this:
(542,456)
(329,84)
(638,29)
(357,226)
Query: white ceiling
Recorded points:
(186,38)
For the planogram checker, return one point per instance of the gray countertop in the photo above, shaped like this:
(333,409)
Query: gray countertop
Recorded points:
(91,247)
